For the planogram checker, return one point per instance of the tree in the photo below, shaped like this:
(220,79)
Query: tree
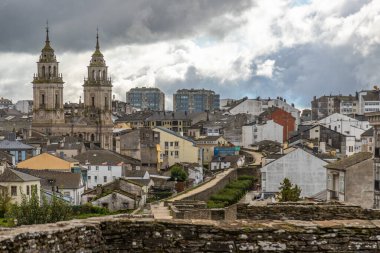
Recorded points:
(5,202)
(178,173)
(289,192)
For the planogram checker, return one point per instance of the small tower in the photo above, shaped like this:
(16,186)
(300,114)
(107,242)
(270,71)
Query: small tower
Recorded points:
(98,98)
(47,90)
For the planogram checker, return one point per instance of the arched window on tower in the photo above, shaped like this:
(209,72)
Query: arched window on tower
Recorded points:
(100,75)
(43,71)
(49,71)
(42,100)
(54,71)
(92,101)
(93,75)
(92,137)
(104,75)
(105,103)
(56,101)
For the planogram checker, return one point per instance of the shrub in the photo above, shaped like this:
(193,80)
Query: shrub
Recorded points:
(215,204)
(247,177)
(31,211)
(289,192)
(178,173)
(89,209)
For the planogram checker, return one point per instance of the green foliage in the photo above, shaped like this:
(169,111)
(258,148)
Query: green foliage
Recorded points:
(89,209)
(247,177)
(289,192)
(214,204)
(178,173)
(5,204)
(31,211)
(232,193)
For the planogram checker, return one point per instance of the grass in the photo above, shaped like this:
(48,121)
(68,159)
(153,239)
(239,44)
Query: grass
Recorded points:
(4,222)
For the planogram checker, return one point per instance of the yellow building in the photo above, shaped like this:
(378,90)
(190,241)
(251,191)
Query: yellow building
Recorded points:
(176,147)
(46,161)
(207,145)
(16,184)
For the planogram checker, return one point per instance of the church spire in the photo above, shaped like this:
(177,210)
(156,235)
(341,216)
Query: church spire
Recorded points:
(97,39)
(47,32)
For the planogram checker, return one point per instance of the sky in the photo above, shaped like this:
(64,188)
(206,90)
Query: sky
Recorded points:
(295,49)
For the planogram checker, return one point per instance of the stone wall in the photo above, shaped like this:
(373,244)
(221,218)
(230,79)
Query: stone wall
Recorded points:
(305,211)
(117,234)
(205,195)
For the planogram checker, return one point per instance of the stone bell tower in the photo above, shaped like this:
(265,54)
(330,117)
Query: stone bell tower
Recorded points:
(98,98)
(47,91)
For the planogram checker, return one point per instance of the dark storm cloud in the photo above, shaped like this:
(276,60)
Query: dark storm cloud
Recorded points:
(73,23)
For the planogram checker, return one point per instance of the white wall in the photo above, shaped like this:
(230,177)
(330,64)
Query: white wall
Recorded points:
(256,133)
(111,172)
(301,167)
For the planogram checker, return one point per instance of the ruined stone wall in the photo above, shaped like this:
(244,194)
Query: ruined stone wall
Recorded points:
(299,211)
(146,235)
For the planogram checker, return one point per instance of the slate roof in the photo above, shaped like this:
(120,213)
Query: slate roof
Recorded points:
(174,133)
(11,175)
(14,145)
(173,115)
(368,133)
(137,116)
(104,157)
(349,161)
(64,180)
(5,156)
(208,138)
(144,182)
(134,173)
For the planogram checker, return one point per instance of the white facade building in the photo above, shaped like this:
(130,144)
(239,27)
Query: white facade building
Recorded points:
(254,133)
(300,167)
(102,174)
(24,106)
(257,106)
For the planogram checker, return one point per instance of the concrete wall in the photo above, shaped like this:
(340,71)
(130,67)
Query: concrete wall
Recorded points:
(301,167)
(113,234)
(359,180)
(255,133)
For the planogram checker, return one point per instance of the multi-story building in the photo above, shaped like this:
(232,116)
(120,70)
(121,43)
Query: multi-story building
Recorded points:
(374,120)
(6,103)
(255,132)
(146,98)
(281,117)
(326,105)
(369,101)
(177,148)
(24,106)
(257,106)
(142,144)
(207,145)
(195,100)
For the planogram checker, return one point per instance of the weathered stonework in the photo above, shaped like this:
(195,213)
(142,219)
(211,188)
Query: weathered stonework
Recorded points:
(118,234)
(305,211)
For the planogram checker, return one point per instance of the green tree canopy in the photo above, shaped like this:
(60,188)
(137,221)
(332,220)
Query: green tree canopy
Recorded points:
(289,192)
(178,173)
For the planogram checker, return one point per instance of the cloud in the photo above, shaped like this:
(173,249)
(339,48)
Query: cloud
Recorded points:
(290,48)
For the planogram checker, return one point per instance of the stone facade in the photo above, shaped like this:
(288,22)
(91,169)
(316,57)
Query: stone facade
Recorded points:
(92,121)
(307,211)
(117,234)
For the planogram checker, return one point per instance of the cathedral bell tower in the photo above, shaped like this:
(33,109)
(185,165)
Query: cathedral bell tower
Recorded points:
(47,90)
(97,98)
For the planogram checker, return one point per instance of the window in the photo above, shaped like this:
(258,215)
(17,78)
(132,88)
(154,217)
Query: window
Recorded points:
(166,153)
(109,168)
(13,190)
(263,176)
(350,149)
(27,190)
(166,144)
(105,179)
(171,153)
(97,167)
(89,178)
(341,184)
(370,139)
(176,154)
(89,167)
(96,179)
(176,144)
(171,144)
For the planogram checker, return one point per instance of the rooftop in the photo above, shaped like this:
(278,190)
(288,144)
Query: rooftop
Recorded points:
(104,157)
(11,175)
(350,161)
